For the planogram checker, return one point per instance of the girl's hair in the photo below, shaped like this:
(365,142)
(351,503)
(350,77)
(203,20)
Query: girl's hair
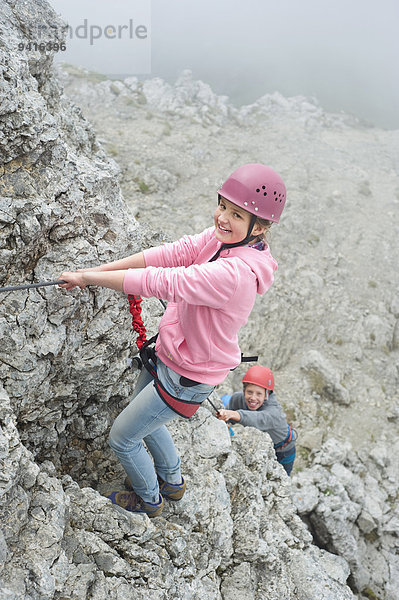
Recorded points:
(263,223)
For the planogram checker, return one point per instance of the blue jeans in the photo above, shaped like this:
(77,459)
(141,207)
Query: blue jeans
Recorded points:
(145,419)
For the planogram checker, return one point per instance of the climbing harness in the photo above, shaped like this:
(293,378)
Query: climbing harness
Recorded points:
(286,457)
(290,437)
(183,408)
(148,359)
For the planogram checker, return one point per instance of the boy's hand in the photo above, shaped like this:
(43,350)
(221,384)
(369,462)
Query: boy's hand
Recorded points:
(228,415)
(72,280)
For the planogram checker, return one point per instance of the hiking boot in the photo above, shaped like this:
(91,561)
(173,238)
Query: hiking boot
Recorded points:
(173,491)
(133,503)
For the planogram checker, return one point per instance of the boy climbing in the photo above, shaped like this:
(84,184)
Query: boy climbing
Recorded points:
(257,406)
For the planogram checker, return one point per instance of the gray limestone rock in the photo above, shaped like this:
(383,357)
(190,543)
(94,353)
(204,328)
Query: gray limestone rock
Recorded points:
(311,582)
(323,378)
(347,511)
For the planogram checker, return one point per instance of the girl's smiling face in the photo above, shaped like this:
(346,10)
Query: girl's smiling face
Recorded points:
(232,223)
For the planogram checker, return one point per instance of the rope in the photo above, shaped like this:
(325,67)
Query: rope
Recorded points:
(13,288)
(137,321)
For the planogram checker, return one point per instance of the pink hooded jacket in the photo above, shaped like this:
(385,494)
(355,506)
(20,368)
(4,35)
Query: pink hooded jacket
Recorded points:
(208,302)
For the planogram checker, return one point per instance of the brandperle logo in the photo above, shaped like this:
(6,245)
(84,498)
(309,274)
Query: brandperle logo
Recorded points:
(112,38)
(92,32)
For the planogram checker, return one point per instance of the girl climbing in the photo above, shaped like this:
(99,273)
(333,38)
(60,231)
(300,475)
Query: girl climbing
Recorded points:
(210,281)
(257,406)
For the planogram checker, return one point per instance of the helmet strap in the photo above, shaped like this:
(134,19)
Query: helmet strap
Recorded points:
(248,238)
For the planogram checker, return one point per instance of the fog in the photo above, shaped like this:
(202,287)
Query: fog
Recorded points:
(342,53)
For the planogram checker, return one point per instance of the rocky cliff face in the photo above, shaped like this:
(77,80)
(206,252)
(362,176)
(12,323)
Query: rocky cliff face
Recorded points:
(329,325)
(63,374)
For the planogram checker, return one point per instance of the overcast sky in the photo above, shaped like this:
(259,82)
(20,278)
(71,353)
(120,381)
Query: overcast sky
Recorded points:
(343,52)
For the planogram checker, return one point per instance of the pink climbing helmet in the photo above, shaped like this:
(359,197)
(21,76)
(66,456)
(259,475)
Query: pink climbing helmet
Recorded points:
(257,189)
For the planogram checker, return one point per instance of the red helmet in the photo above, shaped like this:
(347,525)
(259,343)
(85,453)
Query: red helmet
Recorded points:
(257,189)
(261,376)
